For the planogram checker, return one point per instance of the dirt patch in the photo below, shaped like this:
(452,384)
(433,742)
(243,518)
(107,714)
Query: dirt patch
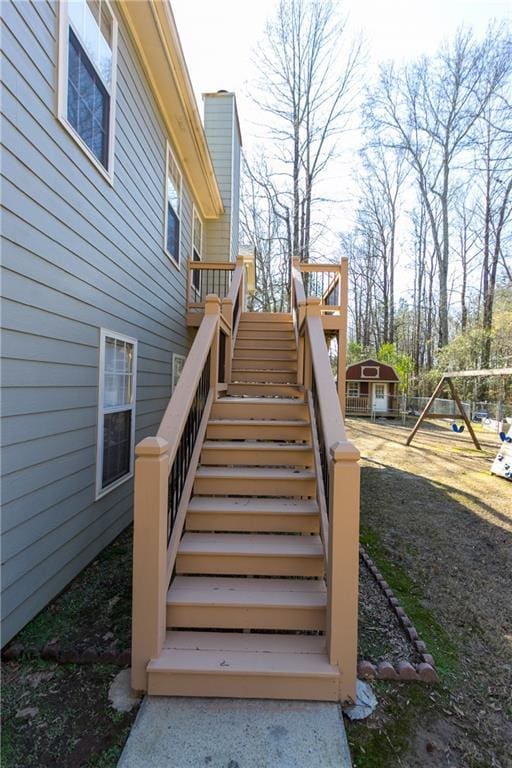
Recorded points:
(94,611)
(59,714)
(381,638)
(439,527)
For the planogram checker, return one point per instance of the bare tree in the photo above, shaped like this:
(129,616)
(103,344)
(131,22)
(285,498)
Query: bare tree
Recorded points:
(494,162)
(308,88)
(264,226)
(429,110)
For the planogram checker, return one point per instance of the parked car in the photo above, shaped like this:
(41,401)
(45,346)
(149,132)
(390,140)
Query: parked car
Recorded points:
(479,416)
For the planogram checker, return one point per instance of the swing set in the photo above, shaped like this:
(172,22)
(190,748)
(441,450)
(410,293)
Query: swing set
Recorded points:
(447,378)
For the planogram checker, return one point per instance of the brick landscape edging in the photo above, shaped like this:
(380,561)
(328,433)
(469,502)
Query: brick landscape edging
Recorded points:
(53,652)
(425,671)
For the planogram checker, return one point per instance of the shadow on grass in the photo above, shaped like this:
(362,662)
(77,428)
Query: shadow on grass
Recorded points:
(406,517)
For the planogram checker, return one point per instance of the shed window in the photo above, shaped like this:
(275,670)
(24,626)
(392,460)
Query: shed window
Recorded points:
(116,423)
(370,371)
(353,389)
(87,75)
(173,208)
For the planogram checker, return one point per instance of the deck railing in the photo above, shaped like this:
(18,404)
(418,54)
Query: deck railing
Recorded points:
(329,284)
(324,282)
(359,404)
(338,480)
(165,468)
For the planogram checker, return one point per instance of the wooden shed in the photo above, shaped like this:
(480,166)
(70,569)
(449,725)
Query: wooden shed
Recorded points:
(371,386)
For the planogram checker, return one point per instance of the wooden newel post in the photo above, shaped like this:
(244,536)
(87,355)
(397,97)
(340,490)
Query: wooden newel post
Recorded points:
(227,314)
(343,576)
(212,307)
(149,555)
(342,333)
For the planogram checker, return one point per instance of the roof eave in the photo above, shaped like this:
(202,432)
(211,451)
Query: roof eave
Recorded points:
(155,35)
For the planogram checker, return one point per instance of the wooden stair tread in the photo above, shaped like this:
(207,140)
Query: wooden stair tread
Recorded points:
(250,545)
(255,369)
(252,473)
(250,505)
(260,445)
(229,653)
(247,592)
(234,399)
(260,422)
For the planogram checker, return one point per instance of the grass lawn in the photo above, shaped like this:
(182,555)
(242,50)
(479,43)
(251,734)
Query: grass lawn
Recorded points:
(58,715)
(439,527)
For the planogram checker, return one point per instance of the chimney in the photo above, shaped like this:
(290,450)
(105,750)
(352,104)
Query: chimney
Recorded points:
(224,142)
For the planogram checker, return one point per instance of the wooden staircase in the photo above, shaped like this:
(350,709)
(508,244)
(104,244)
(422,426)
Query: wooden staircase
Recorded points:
(246,608)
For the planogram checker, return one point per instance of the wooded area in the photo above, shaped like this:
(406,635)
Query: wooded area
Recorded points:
(429,196)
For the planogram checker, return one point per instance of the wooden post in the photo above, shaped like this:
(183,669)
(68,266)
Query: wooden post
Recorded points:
(212,307)
(342,334)
(149,555)
(343,564)
(463,412)
(227,314)
(312,310)
(425,411)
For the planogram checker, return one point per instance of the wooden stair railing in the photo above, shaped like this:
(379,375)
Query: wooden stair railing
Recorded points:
(165,469)
(336,462)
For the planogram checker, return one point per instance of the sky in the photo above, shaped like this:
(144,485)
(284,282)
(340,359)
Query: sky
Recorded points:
(220,42)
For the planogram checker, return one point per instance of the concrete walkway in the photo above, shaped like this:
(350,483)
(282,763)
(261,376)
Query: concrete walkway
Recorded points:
(236,733)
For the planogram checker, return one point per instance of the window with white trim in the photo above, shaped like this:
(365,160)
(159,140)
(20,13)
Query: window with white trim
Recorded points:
(116,410)
(178,361)
(173,187)
(353,389)
(87,67)
(197,249)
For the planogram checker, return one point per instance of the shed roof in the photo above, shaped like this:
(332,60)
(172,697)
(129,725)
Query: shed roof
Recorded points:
(359,372)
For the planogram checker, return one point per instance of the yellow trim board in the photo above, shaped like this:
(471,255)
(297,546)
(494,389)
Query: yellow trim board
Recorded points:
(153,30)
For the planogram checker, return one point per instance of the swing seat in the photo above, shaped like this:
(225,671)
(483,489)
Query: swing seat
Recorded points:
(505,438)
(457,428)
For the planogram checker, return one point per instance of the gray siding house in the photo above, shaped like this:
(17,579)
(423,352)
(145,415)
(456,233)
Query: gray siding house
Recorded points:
(107,183)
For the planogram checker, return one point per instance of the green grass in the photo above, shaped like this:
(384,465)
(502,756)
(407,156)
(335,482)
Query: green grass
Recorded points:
(382,744)
(439,643)
(97,601)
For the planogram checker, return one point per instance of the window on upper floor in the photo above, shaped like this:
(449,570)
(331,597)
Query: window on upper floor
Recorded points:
(173,188)
(116,410)
(87,66)
(197,249)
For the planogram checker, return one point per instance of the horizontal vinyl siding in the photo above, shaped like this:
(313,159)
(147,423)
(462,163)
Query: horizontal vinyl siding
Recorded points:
(78,254)
(218,117)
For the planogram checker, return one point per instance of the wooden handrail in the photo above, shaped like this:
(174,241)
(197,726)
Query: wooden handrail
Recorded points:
(154,551)
(176,413)
(314,267)
(336,460)
(225,265)
(328,403)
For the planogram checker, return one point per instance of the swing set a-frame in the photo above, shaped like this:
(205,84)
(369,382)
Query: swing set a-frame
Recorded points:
(447,378)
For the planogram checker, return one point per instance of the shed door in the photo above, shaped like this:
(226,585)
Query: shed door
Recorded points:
(380,397)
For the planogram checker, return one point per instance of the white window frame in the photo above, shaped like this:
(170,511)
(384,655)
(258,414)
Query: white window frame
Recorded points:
(102,410)
(195,215)
(62,89)
(375,371)
(169,153)
(176,358)
(356,386)
(379,386)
